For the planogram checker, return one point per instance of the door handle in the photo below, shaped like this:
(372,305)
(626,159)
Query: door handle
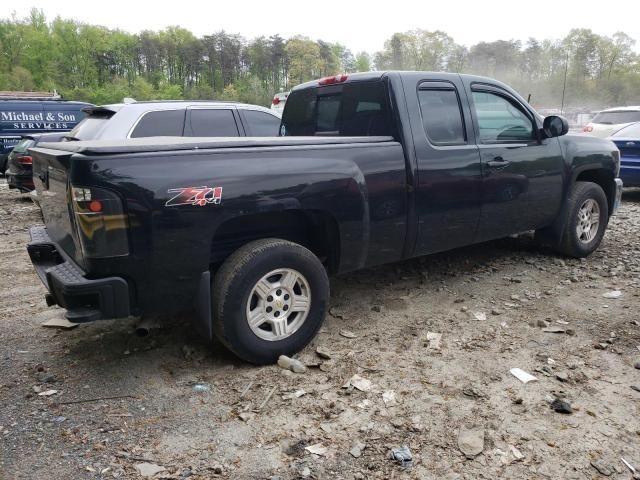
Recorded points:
(498,162)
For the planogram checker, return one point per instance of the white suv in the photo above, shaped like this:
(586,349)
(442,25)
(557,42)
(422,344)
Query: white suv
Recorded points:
(608,122)
(176,119)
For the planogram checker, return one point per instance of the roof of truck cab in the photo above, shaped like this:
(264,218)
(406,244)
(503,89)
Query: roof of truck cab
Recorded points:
(160,144)
(365,76)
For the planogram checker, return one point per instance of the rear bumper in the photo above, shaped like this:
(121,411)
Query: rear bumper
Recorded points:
(618,196)
(24,183)
(85,299)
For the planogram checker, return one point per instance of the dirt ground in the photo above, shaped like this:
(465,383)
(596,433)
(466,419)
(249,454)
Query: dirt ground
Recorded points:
(192,410)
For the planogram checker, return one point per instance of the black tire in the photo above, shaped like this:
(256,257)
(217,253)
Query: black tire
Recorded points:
(234,283)
(570,244)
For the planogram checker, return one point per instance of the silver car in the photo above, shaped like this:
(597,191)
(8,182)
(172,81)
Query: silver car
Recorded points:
(176,119)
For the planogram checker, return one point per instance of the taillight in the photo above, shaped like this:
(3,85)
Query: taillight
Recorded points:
(588,129)
(334,79)
(276,100)
(100,222)
(24,160)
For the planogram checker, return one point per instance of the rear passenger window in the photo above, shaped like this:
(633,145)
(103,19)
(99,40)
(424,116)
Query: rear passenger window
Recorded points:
(213,123)
(441,115)
(262,124)
(165,123)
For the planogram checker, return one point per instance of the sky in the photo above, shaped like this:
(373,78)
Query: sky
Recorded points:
(359,25)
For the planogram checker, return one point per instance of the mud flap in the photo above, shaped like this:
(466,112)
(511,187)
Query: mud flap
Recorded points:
(203,324)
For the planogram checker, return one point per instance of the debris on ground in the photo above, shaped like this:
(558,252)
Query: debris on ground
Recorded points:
(402,456)
(292,395)
(288,363)
(60,322)
(434,340)
(471,440)
(356,450)
(47,393)
(148,469)
(246,416)
(602,467)
(317,449)
(612,294)
(517,454)
(359,383)
(554,330)
(200,387)
(323,353)
(347,334)
(523,376)
(389,398)
(561,406)
(480,316)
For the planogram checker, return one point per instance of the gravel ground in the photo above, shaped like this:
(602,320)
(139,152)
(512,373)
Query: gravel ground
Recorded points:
(126,405)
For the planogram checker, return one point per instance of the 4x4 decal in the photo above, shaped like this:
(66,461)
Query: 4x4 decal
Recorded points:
(199,196)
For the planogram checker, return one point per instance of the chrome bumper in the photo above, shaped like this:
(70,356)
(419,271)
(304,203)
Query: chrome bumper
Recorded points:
(618,198)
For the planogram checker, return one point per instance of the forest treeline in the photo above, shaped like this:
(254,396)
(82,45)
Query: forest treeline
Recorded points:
(101,65)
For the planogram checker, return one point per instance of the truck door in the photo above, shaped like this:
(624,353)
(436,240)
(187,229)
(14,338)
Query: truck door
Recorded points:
(449,181)
(522,173)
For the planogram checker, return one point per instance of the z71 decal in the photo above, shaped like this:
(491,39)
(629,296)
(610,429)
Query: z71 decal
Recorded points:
(199,196)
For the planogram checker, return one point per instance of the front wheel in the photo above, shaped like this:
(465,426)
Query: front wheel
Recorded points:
(269,298)
(587,217)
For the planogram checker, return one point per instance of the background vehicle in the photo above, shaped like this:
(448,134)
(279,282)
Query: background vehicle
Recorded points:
(19,164)
(375,168)
(279,101)
(176,118)
(628,142)
(608,122)
(24,113)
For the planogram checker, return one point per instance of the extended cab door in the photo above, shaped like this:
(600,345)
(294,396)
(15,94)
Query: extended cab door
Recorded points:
(449,181)
(522,173)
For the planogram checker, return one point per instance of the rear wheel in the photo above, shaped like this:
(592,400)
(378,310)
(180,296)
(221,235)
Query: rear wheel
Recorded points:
(587,215)
(269,298)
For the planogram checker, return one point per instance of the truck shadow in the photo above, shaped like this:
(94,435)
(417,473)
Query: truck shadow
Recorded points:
(175,353)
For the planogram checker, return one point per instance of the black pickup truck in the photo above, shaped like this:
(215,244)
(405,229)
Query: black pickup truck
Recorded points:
(369,169)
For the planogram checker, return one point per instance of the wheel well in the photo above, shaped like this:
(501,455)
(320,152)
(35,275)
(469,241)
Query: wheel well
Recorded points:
(315,230)
(605,179)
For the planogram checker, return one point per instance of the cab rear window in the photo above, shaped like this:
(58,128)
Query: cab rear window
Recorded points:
(352,109)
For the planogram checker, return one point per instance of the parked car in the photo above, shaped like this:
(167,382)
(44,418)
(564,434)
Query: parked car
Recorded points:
(19,164)
(608,122)
(279,101)
(25,113)
(628,142)
(176,119)
(374,168)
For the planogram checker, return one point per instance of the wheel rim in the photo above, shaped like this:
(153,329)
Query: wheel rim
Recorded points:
(278,304)
(588,221)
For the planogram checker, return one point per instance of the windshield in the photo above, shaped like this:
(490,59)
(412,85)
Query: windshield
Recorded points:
(88,128)
(632,131)
(356,109)
(613,118)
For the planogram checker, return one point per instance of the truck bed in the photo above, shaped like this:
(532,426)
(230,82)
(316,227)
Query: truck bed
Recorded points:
(160,144)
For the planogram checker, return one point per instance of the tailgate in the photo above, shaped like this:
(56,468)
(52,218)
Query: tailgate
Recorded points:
(50,177)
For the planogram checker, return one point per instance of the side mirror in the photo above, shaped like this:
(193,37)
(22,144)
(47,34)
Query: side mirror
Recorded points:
(554,126)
